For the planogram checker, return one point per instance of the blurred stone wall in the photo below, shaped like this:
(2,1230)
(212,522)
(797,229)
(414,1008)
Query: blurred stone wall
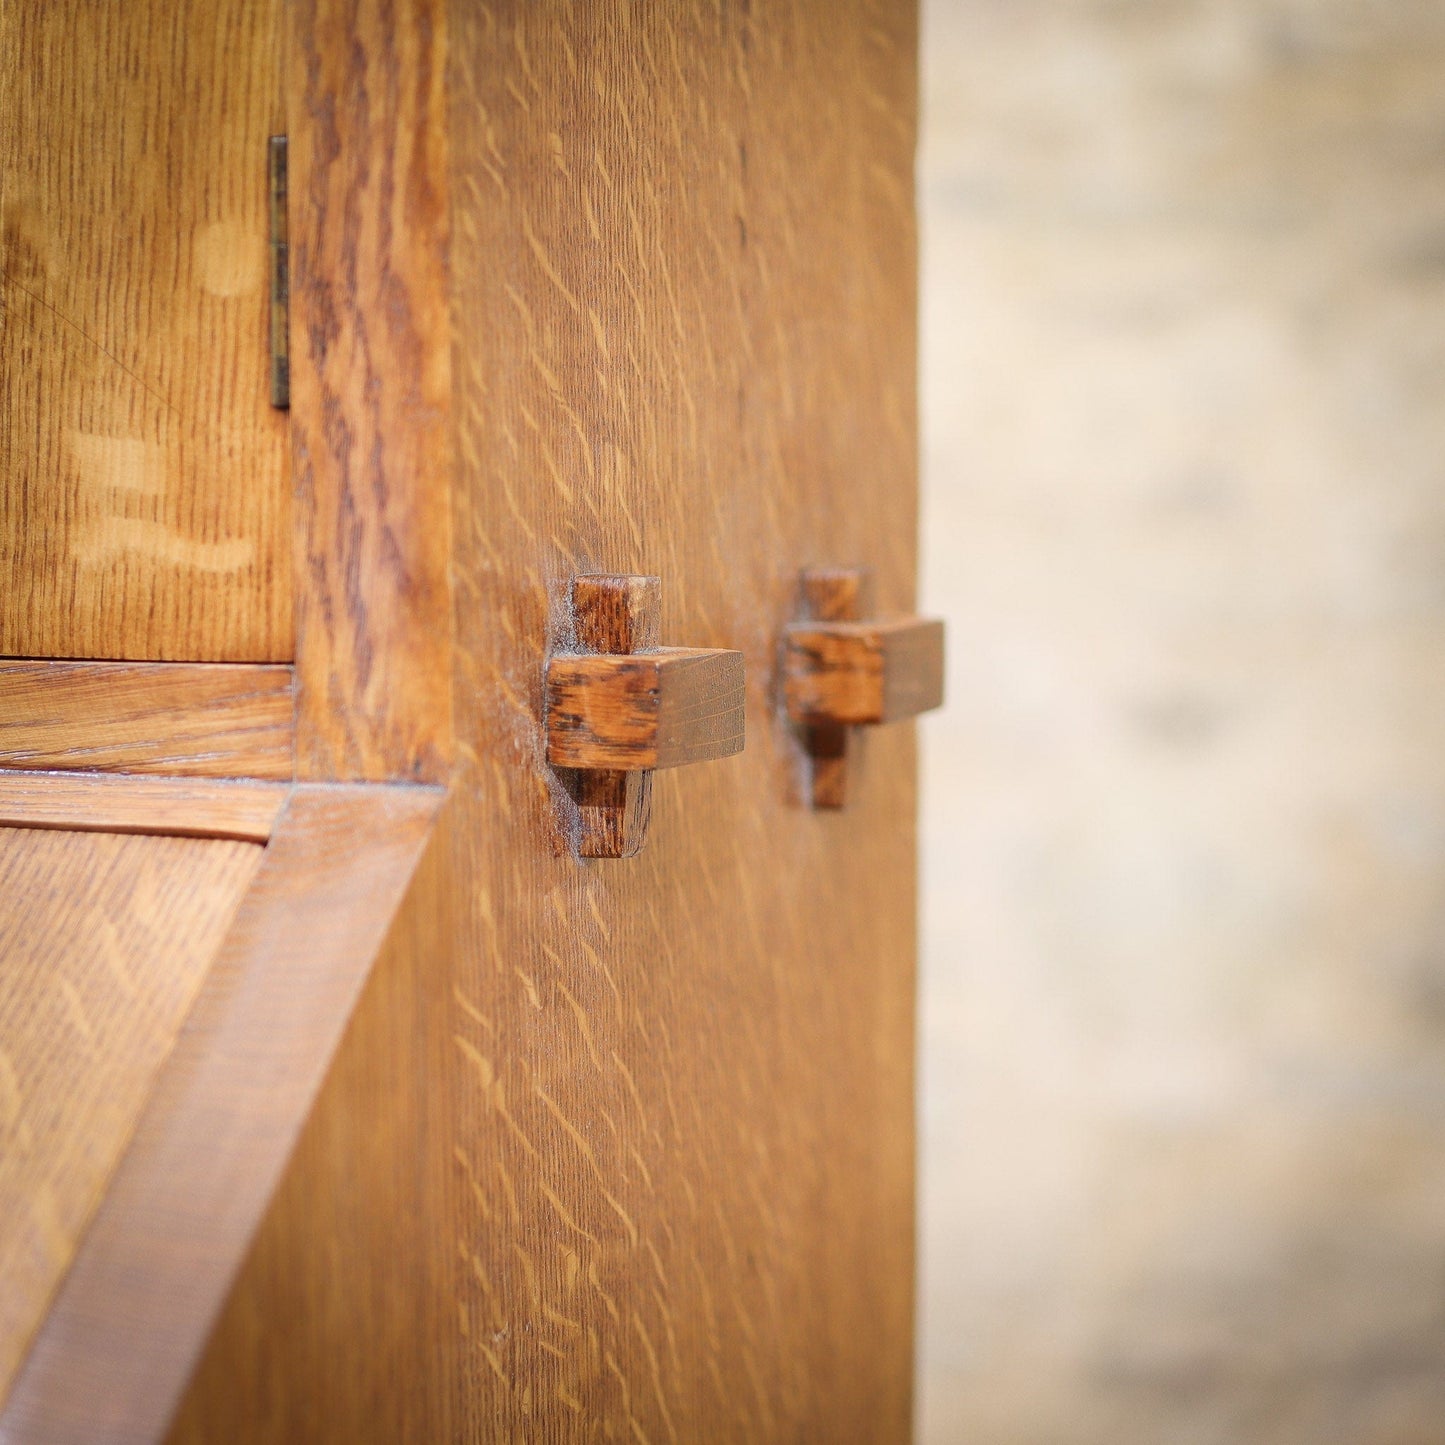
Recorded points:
(1183,1007)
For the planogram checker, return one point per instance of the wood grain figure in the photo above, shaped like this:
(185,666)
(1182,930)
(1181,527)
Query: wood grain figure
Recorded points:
(199,719)
(104,942)
(370,387)
(145,499)
(617,1152)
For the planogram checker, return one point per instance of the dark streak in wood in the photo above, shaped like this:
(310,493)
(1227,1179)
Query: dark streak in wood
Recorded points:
(370,393)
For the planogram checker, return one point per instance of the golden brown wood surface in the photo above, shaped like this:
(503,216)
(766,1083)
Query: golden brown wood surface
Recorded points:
(201,719)
(104,941)
(125,1326)
(370,387)
(168,807)
(144,492)
(649,1121)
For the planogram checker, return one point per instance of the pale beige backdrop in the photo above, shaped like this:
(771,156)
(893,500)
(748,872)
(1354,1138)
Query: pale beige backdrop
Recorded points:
(1184,978)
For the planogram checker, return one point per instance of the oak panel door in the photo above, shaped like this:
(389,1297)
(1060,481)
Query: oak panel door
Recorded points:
(144,485)
(624,1149)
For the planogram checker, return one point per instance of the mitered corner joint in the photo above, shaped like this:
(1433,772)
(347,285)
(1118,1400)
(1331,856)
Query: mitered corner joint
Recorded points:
(841,672)
(619,707)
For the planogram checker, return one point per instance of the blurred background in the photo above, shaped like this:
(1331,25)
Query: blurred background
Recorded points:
(1183,991)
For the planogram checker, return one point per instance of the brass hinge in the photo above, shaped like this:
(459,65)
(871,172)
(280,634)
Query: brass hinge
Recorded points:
(280,274)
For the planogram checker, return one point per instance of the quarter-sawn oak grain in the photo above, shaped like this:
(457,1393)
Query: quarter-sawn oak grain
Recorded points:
(648,1123)
(104,942)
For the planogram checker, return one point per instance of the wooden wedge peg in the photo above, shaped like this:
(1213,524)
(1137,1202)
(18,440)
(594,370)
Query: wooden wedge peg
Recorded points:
(841,672)
(619,707)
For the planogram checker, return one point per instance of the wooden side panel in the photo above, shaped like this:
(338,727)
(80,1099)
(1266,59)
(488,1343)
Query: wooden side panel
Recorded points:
(104,941)
(370,388)
(650,1120)
(144,493)
(202,719)
(289,1361)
